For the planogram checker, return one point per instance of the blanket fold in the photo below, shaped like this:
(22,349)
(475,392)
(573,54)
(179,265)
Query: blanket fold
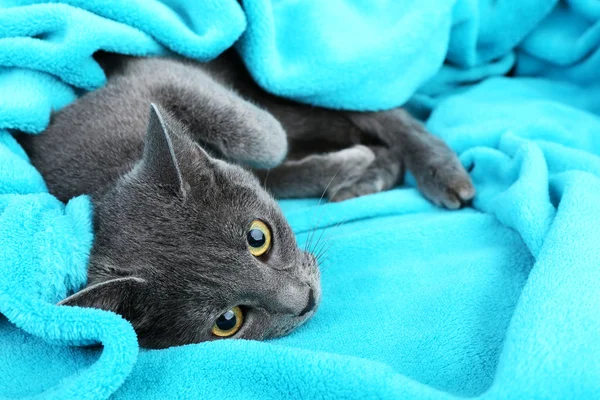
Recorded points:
(495,301)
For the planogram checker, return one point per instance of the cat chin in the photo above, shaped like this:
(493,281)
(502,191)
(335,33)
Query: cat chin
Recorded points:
(289,324)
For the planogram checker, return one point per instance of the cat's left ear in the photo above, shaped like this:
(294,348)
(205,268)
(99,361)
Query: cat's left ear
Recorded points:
(159,161)
(120,295)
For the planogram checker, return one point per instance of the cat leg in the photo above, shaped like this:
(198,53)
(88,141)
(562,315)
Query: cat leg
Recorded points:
(215,116)
(318,174)
(439,173)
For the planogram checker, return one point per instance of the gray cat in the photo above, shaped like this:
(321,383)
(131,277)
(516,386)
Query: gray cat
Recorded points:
(188,246)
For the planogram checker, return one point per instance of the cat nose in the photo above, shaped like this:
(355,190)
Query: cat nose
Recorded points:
(310,305)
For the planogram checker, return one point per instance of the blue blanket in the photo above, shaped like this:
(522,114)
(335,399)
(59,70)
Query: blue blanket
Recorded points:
(496,301)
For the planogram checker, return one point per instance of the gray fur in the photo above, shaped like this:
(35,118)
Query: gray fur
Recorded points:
(172,209)
(170,251)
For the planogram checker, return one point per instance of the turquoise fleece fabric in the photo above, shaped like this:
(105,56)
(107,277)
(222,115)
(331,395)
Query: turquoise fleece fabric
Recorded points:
(496,301)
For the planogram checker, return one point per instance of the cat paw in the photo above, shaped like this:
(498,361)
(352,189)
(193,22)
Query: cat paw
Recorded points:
(382,174)
(359,188)
(447,184)
(353,164)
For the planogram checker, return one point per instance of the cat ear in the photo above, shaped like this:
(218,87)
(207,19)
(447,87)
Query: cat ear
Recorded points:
(119,295)
(159,160)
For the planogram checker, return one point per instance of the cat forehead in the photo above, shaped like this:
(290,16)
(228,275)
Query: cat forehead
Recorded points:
(239,178)
(237,175)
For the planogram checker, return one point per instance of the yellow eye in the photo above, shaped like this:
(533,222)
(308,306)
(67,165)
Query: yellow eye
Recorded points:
(258,238)
(228,323)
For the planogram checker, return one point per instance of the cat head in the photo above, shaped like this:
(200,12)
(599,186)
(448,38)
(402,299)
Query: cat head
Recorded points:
(189,248)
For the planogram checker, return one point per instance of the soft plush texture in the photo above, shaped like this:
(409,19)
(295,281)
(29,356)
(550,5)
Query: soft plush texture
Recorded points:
(496,301)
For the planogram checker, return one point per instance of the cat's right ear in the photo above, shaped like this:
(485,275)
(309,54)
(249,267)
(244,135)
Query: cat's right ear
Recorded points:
(160,161)
(120,295)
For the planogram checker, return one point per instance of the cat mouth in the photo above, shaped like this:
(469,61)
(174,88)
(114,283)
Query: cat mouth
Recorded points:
(290,322)
(310,305)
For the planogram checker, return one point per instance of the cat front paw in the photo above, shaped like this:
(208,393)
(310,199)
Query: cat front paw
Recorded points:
(359,188)
(354,163)
(383,173)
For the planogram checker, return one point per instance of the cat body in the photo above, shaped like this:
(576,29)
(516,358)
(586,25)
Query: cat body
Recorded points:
(180,225)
